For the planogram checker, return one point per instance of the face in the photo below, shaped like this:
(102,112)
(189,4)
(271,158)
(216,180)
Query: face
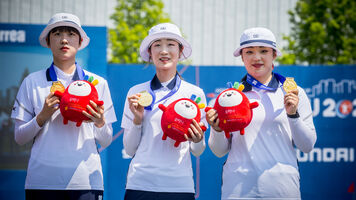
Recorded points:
(230,98)
(165,54)
(186,109)
(79,88)
(258,62)
(64,44)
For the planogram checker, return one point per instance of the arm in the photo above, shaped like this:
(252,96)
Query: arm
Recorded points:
(197,142)
(103,135)
(218,143)
(302,127)
(132,124)
(132,138)
(26,131)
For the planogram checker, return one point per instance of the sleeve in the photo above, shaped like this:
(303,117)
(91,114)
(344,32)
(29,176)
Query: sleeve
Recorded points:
(218,143)
(26,131)
(132,138)
(109,111)
(103,135)
(198,148)
(23,108)
(132,132)
(303,130)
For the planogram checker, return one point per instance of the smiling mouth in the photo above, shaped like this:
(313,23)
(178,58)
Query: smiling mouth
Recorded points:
(164,59)
(257,65)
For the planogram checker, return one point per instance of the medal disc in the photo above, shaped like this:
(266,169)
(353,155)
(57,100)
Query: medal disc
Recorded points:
(57,86)
(145,99)
(289,84)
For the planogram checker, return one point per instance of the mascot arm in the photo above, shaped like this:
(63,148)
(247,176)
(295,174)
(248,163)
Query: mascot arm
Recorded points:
(254,105)
(203,127)
(162,107)
(58,94)
(207,109)
(99,103)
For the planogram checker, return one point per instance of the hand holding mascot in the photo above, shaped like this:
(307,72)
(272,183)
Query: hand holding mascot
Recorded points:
(234,109)
(75,99)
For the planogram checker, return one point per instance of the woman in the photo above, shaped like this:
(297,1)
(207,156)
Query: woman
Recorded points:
(64,162)
(262,164)
(159,170)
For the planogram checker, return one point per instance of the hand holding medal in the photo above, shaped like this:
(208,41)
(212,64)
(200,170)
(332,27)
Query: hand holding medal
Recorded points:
(289,84)
(145,99)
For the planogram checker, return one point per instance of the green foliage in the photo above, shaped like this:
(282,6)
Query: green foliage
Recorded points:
(323,32)
(133,19)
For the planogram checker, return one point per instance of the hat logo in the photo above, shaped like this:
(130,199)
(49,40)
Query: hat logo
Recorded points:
(64,17)
(255,35)
(163,28)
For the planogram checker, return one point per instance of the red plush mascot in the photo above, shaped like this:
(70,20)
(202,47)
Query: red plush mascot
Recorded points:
(234,110)
(178,116)
(75,99)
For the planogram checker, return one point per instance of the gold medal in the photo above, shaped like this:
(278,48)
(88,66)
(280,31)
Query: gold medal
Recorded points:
(145,99)
(57,86)
(289,84)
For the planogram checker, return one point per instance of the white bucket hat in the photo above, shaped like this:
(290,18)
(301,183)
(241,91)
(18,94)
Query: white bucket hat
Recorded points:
(164,30)
(64,19)
(257,37)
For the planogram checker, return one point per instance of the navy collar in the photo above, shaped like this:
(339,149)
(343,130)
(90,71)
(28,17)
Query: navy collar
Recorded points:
(156,84)
(52,76)
(274,83)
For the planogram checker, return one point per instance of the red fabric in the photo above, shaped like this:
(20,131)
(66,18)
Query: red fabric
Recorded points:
(72,106)
(351,188)
(174,125)
(234,118)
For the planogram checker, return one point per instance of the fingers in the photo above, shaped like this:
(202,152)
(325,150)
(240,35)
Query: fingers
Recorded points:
(52,102)
(211,116)
(93,113)
(291,98)
(195,132)
(291,101)
(133,101)
(99,109)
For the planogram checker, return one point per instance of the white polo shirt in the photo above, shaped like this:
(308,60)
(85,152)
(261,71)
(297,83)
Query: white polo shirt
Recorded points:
(262,163)
(62,156)
(157,165)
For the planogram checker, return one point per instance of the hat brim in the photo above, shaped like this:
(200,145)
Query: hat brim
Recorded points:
(48,28)
(145,44)
(256,44)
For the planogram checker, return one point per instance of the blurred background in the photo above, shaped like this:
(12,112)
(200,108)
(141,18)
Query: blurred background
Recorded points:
(317,38)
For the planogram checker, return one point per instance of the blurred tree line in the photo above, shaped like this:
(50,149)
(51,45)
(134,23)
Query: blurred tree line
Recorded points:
(133,19)
(323,32)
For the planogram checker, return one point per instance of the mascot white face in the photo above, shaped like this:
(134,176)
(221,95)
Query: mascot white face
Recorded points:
(79,88)
(230,98)
(186,109)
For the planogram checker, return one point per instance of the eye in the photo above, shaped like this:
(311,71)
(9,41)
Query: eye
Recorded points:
(156,45)
(264,51)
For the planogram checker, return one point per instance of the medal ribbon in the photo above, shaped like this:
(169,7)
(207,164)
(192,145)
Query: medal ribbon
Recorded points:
(173,91)
(78,75)
(252,81)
